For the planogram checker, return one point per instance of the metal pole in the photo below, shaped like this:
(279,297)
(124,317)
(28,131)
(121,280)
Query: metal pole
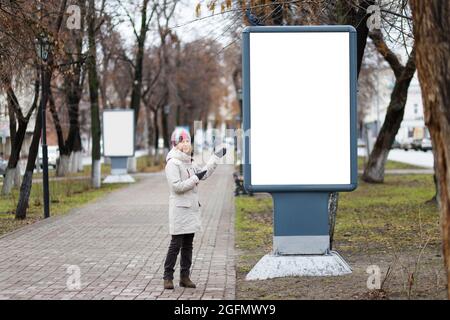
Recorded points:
(241,127)
(44,140)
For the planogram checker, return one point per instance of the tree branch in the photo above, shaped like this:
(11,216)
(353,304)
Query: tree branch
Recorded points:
(388,55)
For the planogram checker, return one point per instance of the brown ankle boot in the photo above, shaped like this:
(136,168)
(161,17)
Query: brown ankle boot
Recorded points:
(168,284)
(186,282)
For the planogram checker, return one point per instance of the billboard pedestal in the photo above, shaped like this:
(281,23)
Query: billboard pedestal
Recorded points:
(325,125)
(119,171)
(279,266)
(301,239)
(300,223)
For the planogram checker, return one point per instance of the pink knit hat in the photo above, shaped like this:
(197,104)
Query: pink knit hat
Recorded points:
(178,135)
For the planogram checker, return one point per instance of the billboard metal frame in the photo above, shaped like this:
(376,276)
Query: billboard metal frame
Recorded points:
(103,133)
(352,109)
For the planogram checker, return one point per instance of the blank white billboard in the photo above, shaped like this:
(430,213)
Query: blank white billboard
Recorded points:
(118,133)
(300,108)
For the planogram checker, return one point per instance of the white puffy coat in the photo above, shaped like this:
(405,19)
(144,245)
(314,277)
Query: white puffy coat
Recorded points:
(184,206)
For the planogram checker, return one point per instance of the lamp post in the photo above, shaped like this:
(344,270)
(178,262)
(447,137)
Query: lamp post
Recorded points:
(239,96)
(165,124)
(43,47)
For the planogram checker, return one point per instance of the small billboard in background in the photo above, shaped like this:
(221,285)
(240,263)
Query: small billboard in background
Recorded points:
(118,133)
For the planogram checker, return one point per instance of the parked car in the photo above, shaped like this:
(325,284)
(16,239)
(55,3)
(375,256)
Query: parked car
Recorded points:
(406,144)
(426,144)
(423,144)
(53,155)
(396,145)
(416,144)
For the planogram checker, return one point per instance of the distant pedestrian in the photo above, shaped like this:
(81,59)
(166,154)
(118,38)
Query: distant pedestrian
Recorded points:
(183,176)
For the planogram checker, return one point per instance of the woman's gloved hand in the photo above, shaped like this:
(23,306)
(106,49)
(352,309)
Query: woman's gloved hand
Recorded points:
(221,152)
(201,174)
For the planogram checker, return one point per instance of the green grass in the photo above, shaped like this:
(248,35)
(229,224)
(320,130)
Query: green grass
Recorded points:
(390,165)
(64,196)
(143,164)
(105,169)
(253,232)
(373,217)
(391,215)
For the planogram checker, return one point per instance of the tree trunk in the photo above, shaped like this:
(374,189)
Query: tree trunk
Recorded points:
(150,133)
(374,171)
(155,125)
(12,104)
(8,181)
(75,163)
(138,65)
(14,158)
(436,198)
(73,141)
(25,188)
(357,17)
(431,22)
(165,129)
(62,165)
(332,207)
(18,175)
(73,89)
(93,95)
(137,82)
(13,173)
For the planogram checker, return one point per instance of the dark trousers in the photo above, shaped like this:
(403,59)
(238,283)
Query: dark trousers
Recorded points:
(179,242)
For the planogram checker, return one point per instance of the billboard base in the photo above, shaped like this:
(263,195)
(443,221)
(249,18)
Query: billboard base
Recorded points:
(119,171)
(300,223)
(119,178)
(278,266)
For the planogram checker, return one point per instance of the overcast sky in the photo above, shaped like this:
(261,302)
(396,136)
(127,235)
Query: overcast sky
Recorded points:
(187,28)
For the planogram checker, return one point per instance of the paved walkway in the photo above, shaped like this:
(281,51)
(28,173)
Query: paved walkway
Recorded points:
(118,245)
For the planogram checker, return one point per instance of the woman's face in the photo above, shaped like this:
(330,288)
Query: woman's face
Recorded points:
(185,146)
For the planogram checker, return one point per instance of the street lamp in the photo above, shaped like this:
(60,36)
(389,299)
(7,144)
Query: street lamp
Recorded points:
(43,48)
(239,96)
(167,109)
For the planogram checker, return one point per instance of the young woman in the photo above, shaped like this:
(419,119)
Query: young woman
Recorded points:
(183,176)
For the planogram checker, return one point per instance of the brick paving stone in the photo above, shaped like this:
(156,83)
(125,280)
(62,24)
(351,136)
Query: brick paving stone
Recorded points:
(119,244)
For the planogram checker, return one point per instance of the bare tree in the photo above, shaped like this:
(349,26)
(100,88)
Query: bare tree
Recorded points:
(374,171)
(431,20)
(54,27)
(165,13)
(73,72)
(17,133)
(146,11)
(93,94)
(17,73)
